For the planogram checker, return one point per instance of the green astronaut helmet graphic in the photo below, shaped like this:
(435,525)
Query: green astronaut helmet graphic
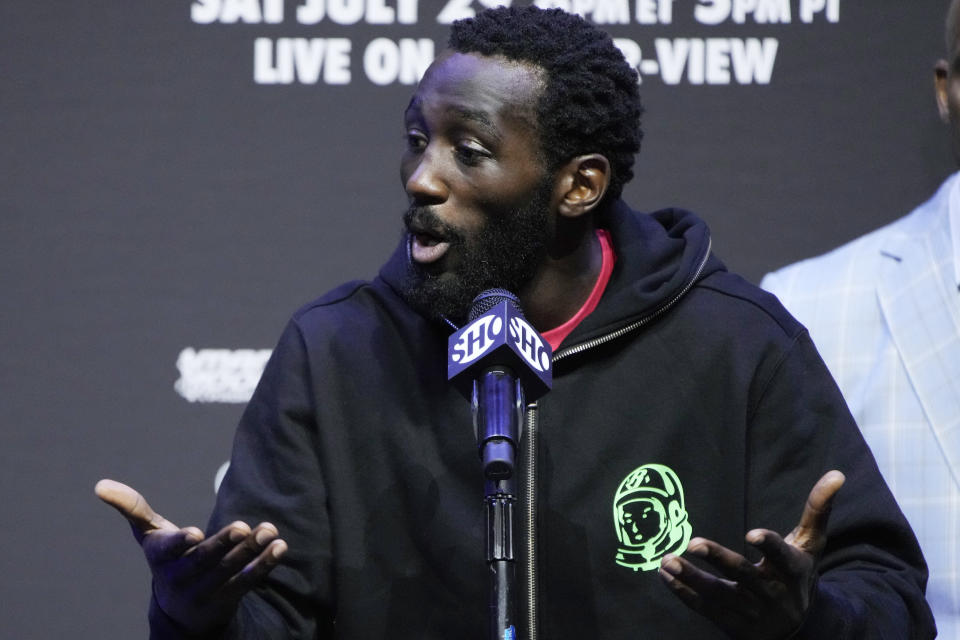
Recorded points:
(650,517)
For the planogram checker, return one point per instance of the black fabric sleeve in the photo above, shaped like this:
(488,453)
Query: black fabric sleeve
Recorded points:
(871,574)
(274,476)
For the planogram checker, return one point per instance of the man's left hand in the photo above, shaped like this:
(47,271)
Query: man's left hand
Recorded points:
(763,600)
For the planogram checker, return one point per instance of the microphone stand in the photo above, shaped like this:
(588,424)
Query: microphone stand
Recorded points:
(497,409)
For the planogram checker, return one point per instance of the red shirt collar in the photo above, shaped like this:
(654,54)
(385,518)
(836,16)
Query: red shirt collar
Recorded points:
(557,335)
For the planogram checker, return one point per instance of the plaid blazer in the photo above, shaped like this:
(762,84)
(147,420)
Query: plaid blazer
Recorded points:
(884,311)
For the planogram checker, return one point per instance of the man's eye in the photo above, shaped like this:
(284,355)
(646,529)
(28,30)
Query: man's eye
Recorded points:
(416,141)
(470,155)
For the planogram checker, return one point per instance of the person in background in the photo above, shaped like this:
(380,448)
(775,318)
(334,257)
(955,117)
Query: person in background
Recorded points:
(884,312)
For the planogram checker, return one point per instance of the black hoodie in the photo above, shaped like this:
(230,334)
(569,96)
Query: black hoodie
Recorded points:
(689,403)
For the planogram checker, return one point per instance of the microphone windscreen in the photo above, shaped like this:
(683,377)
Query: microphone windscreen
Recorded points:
(490,298)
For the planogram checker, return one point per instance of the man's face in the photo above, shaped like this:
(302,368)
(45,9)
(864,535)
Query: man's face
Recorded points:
(480,198)
(642,521)
(947,79)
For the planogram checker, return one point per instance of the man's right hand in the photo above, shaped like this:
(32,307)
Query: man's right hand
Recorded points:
(197,581)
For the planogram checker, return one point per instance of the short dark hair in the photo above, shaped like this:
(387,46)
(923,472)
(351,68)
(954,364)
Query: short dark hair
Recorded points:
(591,101)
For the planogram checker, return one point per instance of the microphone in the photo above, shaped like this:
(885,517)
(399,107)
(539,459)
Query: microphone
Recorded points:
(498,361)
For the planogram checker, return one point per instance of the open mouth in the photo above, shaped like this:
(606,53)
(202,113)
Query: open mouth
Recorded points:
(426,247)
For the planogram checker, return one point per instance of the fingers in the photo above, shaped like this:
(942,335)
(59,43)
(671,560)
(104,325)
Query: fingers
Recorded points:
(133,507)
(810,534)
(201,589)
(255,571)
(730,563)
(723,601)
(796,553)
(781,561)
(776,590)
(672,573)
(192,573)
(219,559)
(751,581)
(232,547)
(820,501)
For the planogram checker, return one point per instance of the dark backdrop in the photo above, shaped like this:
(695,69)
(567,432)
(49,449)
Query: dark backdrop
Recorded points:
(167,197)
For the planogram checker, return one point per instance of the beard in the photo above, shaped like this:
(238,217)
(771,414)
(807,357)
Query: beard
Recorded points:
(505,253)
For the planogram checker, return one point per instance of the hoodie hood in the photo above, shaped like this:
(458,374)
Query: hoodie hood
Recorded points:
(659,256)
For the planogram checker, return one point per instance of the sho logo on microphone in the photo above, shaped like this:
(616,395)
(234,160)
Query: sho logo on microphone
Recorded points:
(477,339)
(501,337)
(529,344)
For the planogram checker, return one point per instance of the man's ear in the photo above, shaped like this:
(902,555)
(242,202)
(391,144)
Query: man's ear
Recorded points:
(940,77)
(581,184)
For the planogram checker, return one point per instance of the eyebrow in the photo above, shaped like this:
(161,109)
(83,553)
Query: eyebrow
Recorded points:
(477,116)
(480,118)
(474,115)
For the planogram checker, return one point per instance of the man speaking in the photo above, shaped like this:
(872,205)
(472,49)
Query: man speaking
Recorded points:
(682,479)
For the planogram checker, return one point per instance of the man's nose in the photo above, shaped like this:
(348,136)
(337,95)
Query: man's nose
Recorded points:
(425,184)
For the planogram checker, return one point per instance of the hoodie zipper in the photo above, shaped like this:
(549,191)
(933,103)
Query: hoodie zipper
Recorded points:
(528,503)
